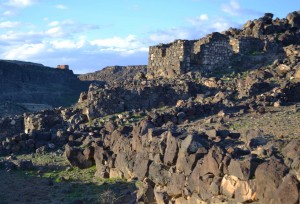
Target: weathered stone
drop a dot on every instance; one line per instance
(200, 183)
(283, 69)
(191, 144)
(254, 138)
(101, 159)
(125, 162)
(161, 196)
(292, 150)
(212, 133)
(294, 19)
(287, 192)
(113, 173)
(146, 192)
(185, 162)
(110, 126)
(89, 153)
(176, 185)
(158, 174)
(212, 162)
(229, 185)
(141, 165)
(139, 130)
(170, 156)
(215, 186)
(243, 169)
(76, 157)
(194, 199)
(244, 191)
(268, 177)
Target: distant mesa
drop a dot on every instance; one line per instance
(64, 66)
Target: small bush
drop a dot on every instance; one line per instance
(108, 197)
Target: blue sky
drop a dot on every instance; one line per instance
(89, 35)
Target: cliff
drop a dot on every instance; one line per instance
(114, 73)
(24, 82)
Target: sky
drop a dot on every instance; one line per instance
(89, 35)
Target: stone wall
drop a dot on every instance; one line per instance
(211, 52)
(66, 67)
(246, 45)
(170, 59)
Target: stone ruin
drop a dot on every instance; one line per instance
(64, 67)
(213, 51)
(262, 37)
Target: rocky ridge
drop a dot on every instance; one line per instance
(197, 138)
(25, 85)
(113, 74)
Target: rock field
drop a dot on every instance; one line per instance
(218, 136)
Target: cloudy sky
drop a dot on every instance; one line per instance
(89, 35)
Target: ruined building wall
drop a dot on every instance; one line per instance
(213, 51)
(246, 45)
(64, 66)
(169, 59)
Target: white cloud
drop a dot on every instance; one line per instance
(126, 46)
(233, 8)
(19, 37)
(169, 35)
(61, 6)
(20, 3)
(195, 28)
(53, 23)
(198, 20)
(8, 13)
(68, 44)
(23, 52)
(203, 17)
(55, 32)
(220, 25)
(9, 24)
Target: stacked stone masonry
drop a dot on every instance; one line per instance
(64, 66)
(213, 51)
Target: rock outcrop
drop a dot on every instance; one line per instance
(195, 138)
(29, 84)
(115, 74)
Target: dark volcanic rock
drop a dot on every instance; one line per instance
(159, 174)
(141, 166)
(114, 73)
(288, 191)
(171, 150)
(268, 177)
(243, 169)
(77, 158)
(23, 82)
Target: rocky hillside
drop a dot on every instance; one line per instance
(114, 73)
(225, 136)
(30, 83)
